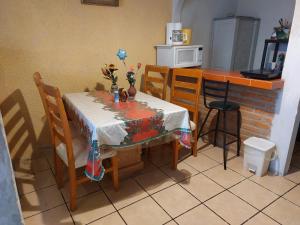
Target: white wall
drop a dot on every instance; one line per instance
(269, 11)
(286, 120)
(176, 10)
(198, 15)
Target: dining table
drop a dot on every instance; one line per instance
(115, 125)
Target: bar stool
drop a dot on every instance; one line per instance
(219, 90)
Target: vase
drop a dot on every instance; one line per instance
(113, 88)
(131, 91)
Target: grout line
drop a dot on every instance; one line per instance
(179, 183)
(112, 204)
(66, 204)
(216, 213)
(35, 190)
(154, 199)
(41, 212)
(268, 188)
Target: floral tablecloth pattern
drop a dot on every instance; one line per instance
(109, 124)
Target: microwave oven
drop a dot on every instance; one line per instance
(178, 56)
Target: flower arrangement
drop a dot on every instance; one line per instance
(109, 73)
(130, 74)
(283, 30)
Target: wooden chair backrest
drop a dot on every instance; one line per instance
(186, 89)
(38, 82)
(58, 120)
(150, 80)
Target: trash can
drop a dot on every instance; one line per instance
(257, 155)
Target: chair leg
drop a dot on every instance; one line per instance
(115, 172)
(175, 154)
(195, 144)
(202, 126)
(238, 132)
(58, 170)
(73, 189)
(216, 128)
(224, 139)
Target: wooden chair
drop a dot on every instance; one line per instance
(148, 86)
(69, 149)
(185, 92)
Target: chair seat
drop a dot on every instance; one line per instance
(80, 150)
(229, 106)
(193, 125)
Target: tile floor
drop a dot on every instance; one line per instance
(199, 192)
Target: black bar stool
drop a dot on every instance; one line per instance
(219, 90)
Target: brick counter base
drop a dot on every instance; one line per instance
(257, 111)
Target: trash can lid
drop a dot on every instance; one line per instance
(259, 143)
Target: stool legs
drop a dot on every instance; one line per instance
(202, 126)
(238, 132)
(224, 140)
(216, 128)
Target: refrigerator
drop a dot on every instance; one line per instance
(234, 42)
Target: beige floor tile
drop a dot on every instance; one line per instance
(154, 181)
(82, 189)
(261, 219)
(112, 219)
(277, 184)
(293, 195)
(201, 187)
(183, 171)
(175, 200)
(145, 212)
(216, 153)
(41, 200)
(231, 208)
(171, 223)
(58, 215)
(293, 175)
(201, 162)
(92, 207)
(236, 164)
(31, 166)
(284, 212)
(254, 194)
(225, 178)
(200, 215)
(128, 193)
(27, 182)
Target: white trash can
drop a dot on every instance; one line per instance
(257, 155)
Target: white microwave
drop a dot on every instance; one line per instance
(175, 56)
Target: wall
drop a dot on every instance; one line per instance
(199, 15)
(269, 11)
(286, 120)
(176, 10)
(68, 43)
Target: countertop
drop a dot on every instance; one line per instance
(237, 78)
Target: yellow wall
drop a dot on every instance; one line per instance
(68, 43)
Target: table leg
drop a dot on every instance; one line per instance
(175, 144)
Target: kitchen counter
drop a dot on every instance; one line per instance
(237, 78)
